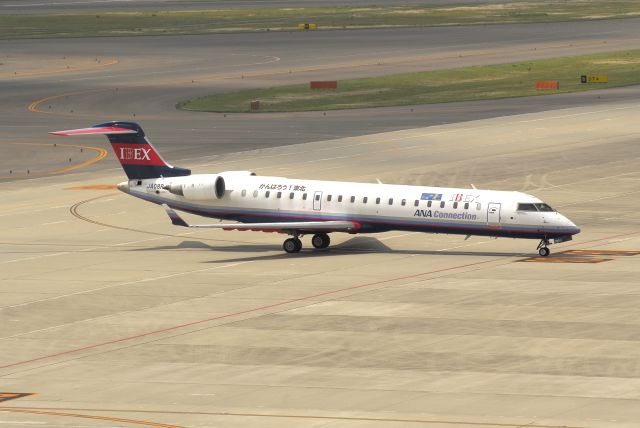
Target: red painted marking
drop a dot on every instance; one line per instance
(86, 131)
(137, 154)
(547, 84)
(323, 84)
(245, 311)
(102, 418)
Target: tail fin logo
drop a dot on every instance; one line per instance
(140, 154)
(129, 153)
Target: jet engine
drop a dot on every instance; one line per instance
(207, 186)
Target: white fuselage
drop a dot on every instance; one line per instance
(374, 207)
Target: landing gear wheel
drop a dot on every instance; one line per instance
(542, 247)
(320, 240)
(292, 245)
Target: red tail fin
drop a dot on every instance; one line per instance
(138, 157)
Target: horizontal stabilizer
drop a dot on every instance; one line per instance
(300, 226)
(176, 220)
(111, 130)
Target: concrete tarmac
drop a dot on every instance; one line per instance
(112, 315)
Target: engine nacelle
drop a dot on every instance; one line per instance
(208, 186)
(212, 187)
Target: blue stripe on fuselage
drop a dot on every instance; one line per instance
(368, 225)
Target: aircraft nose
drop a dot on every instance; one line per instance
(124, 187)
(573, 228)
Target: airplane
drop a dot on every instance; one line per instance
(299, 207)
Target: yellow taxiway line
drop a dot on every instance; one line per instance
(102, 153)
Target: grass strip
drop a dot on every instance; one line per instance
(19, 26)
(429, 87)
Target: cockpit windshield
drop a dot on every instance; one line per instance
(527, 207)
(535, 207)
(544, 208)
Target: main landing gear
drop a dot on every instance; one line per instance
(294, 245)
(543, 248)
(320, 240)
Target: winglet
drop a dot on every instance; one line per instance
(175, 218)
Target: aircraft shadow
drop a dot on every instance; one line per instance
(356, 245)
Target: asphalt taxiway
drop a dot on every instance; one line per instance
(111, 316)
(67, 83)
(71, 6)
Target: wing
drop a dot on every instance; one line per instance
(302, 226)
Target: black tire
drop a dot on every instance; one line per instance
(292, 245)
(544, 252)
(320, 240)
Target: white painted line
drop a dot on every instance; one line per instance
(138, 281)
(34, 211)
(395, 236)
(464, 245)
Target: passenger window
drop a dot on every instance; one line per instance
(266, 194)
(255, 193)
(279, 195)
(377, 200)
(466, 205)
(404, 202)
(340, 198)
(291, 195)
(478, 206)
(304, 196)
(318, 197)
(415, 204)
(442, 204)
(244, 192)
(455, 205)
(328, 198)
(390, 201)
(353, 199)
(429, 204)
(364, 200)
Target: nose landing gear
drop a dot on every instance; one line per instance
(543, 248)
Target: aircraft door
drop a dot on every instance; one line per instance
(317, 201)
(493, 214)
